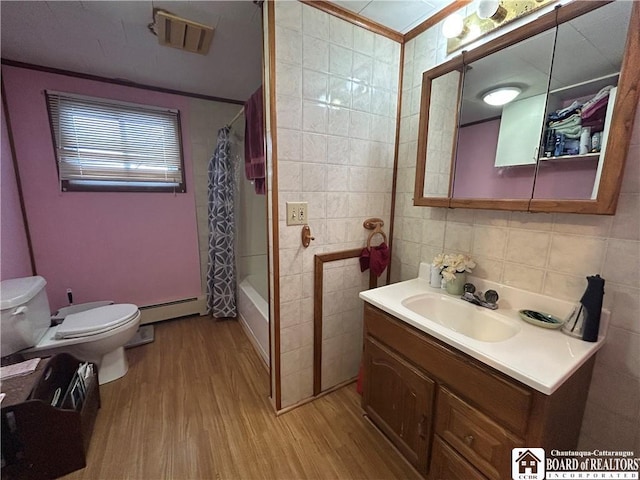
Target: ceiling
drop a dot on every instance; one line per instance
(111, 39)
(399, 15)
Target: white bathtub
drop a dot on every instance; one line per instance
(253, 310)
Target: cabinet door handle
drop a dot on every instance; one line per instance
(421, 433)
(468, 440)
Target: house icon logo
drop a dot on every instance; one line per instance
(527, 463)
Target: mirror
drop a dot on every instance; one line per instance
(440, 143)
(528, 154)
(498, 144)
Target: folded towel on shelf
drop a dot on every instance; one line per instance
(603, 93)
(565, 112)
(594, 117)
(570, 127)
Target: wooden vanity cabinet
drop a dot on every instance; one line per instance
(399, 399)
(453, 416)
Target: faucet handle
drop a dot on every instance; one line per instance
(469, 288)
(491, 296)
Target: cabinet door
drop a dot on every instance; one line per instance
(448, 465)
(399, 400)
(520, 129)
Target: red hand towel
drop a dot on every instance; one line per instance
(364, 259)
(379, 260)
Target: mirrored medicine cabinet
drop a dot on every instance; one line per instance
(560, 145)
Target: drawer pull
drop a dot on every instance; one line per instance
(421, 433)
(468, 440)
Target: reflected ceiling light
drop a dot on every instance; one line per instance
(491, 9)
(502, 95)
(453, 26)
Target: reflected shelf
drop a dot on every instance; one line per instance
(584, 156)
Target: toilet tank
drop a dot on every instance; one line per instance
(25, 314)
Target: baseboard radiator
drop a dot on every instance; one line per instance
(176, 309)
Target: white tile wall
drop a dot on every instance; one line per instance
(547, 253)
(336, 104)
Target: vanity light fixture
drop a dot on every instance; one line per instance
(491, 9)
(501, 96)
(487, 17)
(453, 26)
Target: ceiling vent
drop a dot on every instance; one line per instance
(180, 33)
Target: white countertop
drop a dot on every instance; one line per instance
(539, 357)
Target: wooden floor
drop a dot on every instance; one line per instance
(194, 405)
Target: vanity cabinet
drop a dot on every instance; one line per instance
(402, 402)
(460, 418)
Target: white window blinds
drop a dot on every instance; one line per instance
(107, 145)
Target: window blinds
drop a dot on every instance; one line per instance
(98, 142)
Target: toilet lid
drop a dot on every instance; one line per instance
(96, 320)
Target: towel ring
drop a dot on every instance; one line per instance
(376, 225)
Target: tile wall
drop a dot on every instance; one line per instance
(336, 103)
(342, 328)
(546, 253)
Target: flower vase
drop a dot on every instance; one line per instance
(456, 286)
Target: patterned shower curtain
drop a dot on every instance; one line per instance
(221, 274)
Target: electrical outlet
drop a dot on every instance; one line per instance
(296, 213)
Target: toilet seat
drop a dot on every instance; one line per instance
(95, 321)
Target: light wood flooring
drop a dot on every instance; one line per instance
(194, 405)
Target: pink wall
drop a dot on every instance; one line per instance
(127, 247)
(477, 177)
(14, 252)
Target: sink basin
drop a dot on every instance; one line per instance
(469, 320)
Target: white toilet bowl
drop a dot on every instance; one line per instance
(97, 335)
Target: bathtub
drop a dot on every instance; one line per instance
(253, 312)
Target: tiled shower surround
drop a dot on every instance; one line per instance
(336, 106)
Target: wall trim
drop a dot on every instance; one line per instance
(115, 81)
(16, 172)
(318, 290)
(438, 17)
(275, 358)
(355, 19)
(396, 150)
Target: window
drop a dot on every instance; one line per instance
(112, 146)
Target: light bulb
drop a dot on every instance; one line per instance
(453, 26)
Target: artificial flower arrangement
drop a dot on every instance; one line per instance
(450, 264)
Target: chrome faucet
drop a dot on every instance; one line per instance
(488, 300)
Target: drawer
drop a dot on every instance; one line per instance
(495, 394)
(446, 464)
(475, 436)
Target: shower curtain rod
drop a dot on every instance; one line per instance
(236, 117)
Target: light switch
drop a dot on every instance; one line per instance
(296, 213)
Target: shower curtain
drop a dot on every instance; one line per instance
(221, 274)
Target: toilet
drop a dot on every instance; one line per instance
(93, 334)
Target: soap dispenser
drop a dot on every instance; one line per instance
(584, 321)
